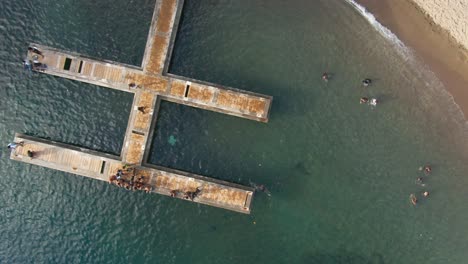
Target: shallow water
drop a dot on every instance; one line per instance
(339, 173)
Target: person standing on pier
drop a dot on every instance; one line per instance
(31, 154)
(325, 76)
(133, 86)
(112, 178)
(35, 50)
(142, 109)
(13, 145)
(27, 64)
(119, 174)
(366, 82)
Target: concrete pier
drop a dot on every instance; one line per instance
(132, 79)
(149, 83)
(100, 166)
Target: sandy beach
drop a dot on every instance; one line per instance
(443, 51)
(449, 15)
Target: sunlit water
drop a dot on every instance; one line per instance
(339, 173)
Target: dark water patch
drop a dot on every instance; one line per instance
(194, 140)
(74, 113)
(113, 30)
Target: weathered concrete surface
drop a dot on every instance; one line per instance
(120, 76)
(98, 166)
(149, 84)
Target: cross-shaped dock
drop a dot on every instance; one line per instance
(150, 84)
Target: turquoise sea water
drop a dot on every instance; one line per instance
(339, 173)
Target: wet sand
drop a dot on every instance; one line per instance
(447, 59)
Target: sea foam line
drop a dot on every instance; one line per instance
(408, 55)
(403, 49)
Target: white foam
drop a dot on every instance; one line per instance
(433, 81)
(404, 50)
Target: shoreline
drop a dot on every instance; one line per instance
(447, 58)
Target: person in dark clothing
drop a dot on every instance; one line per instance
(35, 50)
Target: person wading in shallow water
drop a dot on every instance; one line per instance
(374, 102)
(35, 50)
(366, 82)
(426, 169)
(413, 199)
(420, 181)
(325, 77)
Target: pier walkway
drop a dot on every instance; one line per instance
(132, 79)
(101, 166)
(149, 83)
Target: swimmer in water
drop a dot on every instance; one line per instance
(427, 169)
(325, 77)
(426, 194)
(374, 102)
(363, 100)
(420, 181)
(366, 82)
(413, 199)
(260, 188)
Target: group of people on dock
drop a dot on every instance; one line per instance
(426, 169)
(366, 82)
(126, 178)
(34, 63)
(136, 183)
